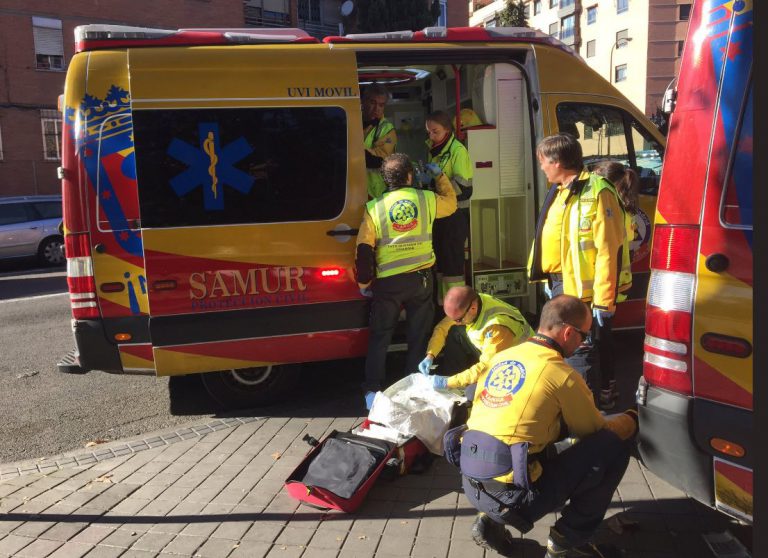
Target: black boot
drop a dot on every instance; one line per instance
(491, 535)
(559, 547)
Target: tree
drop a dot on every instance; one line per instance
(513, 14)
(375, 16)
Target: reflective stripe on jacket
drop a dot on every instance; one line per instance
(496, 312)
(381, 140)
(454, 161)
(581, 259)
(403, 222)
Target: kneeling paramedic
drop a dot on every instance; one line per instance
(509, 473)
(394, 263)
(489, 325)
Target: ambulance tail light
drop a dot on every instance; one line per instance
(82, 285)
(669, 310)
(327, 273)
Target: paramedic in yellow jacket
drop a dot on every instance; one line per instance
(450, 232)
(490, 326)
(394, 260)
(525, 395)
(581, 248)
(379, 136)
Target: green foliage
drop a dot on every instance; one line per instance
(375, 16)
(513, 14)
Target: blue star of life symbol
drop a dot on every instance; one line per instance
(210, 166)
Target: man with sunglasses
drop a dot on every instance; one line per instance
(489, 326)
(509, 472)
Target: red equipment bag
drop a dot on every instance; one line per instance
(339, 471)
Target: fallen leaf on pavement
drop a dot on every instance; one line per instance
(104, 478)
(362, 537)
(96, 442)
(620, 525)
(277, 455)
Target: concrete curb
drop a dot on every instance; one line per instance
(119, 448)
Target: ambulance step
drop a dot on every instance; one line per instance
(70, 363)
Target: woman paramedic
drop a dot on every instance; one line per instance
(450, 233)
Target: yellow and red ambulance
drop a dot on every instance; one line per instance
(213, 182)
(695, 397)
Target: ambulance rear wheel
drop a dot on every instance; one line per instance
(249, 387)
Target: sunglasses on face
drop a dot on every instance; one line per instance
(464, 315)
(583, 334)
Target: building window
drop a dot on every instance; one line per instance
(620, 74)
(256, 16)
(536, 7)
(622, 6)
(49, 43)
(566, 3)
(684, 11)
(309, 10)
(553, 29)
(491, 23)
(553, 3)
(680, 47)
(591, 15)
(567, 27)
(49, 120)
(590, 48)
(621, 38)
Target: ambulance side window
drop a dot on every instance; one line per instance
(610, 134)
(736, 205)
(199, 167)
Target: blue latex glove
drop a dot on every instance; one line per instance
(369, 399)
(366, 292)
(425, 364)
(423, 178)
(547, 290)
(434, 169)
(440, 382)
(601, 315)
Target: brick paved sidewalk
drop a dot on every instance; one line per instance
(215, 490)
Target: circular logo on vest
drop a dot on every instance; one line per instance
(585, 224)
(404, 216)
(503, 381)
(639, 245)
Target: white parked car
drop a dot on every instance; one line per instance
(29, 226)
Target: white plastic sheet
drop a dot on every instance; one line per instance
(412, 407)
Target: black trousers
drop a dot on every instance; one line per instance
(448, 237)
(595, 358)
(583, 478)
(414, 292)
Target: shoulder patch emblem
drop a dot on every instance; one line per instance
(608, 212)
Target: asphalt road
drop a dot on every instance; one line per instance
(45, 412)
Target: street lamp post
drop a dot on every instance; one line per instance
(611, 77)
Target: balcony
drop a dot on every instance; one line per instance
(319, 30)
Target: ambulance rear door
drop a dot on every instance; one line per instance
(251, 188)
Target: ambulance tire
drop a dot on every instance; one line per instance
(250, 387)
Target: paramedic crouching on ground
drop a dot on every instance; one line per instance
(395, 257)
(489, 326)
(521, 401)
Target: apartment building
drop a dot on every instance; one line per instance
(635, 44)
